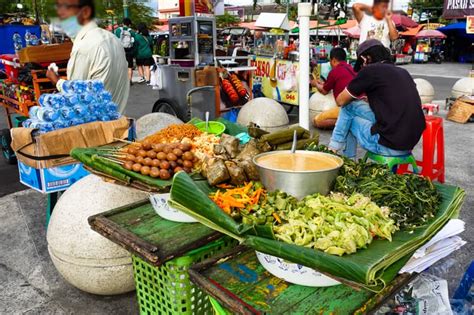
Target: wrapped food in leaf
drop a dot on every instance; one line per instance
(230, 144)
(237, 174)
(219, 149)
(249, 151)
(250, 169)
(216, 171)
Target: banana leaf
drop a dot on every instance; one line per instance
(380, 262)
(369, 268)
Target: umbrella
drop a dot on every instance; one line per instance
(403, 21)
(430, 34)
(353, 32)
(456, 29)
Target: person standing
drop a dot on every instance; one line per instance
(126, 36)
(96, 53)
(144, 53)
(392, 123)
(375, 22)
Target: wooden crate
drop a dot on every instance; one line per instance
(138, 229)
(41, 84)
(242, 286)
(45, 53)
(461, 110)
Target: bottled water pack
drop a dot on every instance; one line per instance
(79, 102)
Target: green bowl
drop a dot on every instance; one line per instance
(215, 127)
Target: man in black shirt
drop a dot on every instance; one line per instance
(393, 121)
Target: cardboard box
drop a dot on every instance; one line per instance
(52, 149)
(45, 53)
(48, 180)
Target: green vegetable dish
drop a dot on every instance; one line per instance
(335, 224)
(412, 199)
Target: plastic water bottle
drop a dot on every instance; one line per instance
(47, 114)
(27, 38)
(67, 87)
(105, 96)
(80, 110)
(72, 100)
(86, 98)
(34, 41)
(46, 127)
(59, 124)
(111, 107)
(44, 99)
(44, 37)
(27, 123)
(67, 113)
(95, 86)
(17, 44)
(33, 112)
(114, 116)
(79, 86)
(77, 121)
(57, 101)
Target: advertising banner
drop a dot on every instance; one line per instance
(276, 79)
(458, 9)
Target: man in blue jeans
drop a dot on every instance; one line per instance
(392, 121)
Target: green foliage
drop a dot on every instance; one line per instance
(226, 20)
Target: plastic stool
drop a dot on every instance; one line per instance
(433, 146)
(394, 163)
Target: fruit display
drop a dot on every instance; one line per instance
(158, 160)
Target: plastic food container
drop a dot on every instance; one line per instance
(294, 273)
(215, 127)
(164, 210)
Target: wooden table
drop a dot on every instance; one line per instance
(242, 286)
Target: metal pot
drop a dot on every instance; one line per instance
(298, 183)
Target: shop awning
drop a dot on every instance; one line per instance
(251, 26)
(412, 31)
(403, 21)
(456, 29)
(430, 34)
(353, 32)
(273, 20)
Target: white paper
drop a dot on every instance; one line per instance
(453, 227)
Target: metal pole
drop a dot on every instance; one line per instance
(304, 12)
(125, 9)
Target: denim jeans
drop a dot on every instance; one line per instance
(353, 126)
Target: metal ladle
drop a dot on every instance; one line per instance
(295, 139)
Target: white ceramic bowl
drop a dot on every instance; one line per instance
(164, 210)
(294, 273)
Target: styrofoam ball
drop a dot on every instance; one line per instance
(151, 123)
(86, 259)
(425, 90)
(267, 113)
(464, 86)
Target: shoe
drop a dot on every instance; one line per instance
(141, 80)
(131, 83)
(148, 83)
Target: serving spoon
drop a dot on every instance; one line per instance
(295, 139)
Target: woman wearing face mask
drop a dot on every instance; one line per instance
(96, 53)
(392, 122)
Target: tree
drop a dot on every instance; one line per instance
(226, 20)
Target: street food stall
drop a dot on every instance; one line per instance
(192, 71)
(429, 46)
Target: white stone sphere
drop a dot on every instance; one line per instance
(319, 103)
(151, 123)
(86, 259)
(425, 90)
(267, 113)
(464, 86)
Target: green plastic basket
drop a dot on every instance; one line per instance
(167, 289)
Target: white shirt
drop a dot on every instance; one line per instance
(98, 55)
(371, 28)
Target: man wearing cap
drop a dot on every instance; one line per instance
(392, 122)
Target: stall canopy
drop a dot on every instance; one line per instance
(430, 34)
(403, 21)
(353, 32)
(412, 31)
(456, 29)
(273, 20)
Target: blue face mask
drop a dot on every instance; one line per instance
(71, 26)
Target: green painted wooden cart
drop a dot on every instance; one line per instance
(240, 285)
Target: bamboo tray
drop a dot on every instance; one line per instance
(242, 286)
(138, 229)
